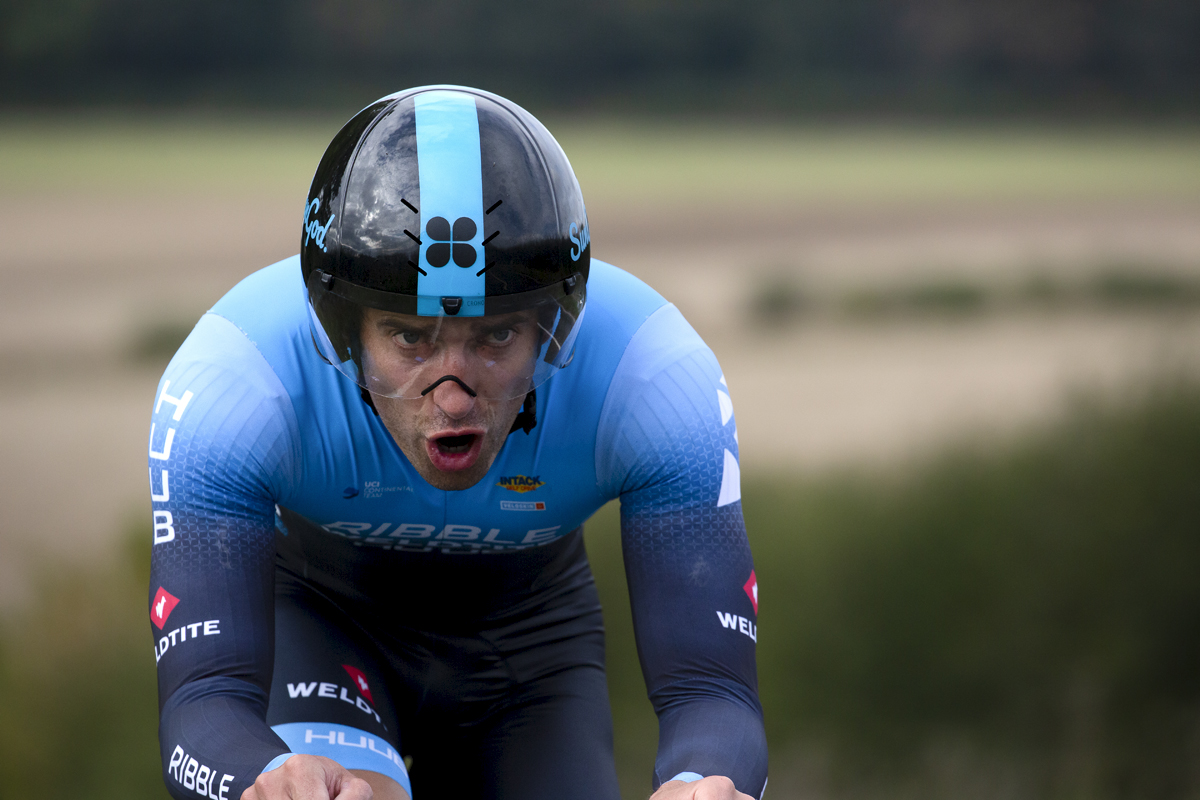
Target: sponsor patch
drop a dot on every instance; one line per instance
(185, 632)
(360, 680)
(196, 777)
(751, 588)
(332, 691)
(161, 607)
(425, 537)
(736, 622)
(521, 483)
(522, 505)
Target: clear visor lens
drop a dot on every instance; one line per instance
(499, 356)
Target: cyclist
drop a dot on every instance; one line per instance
(369, 469)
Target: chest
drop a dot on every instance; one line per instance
(360, 487)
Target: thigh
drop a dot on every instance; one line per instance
(555, 742)
(552, 739)
(328, 690)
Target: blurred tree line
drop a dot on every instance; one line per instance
(780, 56)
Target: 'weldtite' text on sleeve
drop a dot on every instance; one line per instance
(667, 443)
(220, 443)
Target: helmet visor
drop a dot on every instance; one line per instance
(379, 342)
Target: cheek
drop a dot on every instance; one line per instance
(400, 417)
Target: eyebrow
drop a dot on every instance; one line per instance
(405, 321)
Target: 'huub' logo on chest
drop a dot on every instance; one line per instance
(520, 483)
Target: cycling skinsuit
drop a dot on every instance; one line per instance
(311, 593)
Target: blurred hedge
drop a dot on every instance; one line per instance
(994, 624)
(79, 705)
(1015, 622)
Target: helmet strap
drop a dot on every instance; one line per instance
(527, 418)
(366, 396)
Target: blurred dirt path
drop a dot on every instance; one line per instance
(87, 274)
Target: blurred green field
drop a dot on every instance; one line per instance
(1016, 623)
(680, 161)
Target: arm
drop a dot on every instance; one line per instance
(696, 628)
(668, 437)
(219, 446)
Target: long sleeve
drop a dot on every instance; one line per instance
(668, 446)
(220, 450)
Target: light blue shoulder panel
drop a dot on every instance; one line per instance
(220, 402)
(668, 412)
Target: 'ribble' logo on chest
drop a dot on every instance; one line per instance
(447, 242)
(520, 483)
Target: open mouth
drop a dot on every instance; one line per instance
(454, 452)
(455, 444)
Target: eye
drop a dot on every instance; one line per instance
(502, 336)
(408, 337)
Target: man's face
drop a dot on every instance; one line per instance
(450, 437)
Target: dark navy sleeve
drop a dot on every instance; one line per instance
(221, 448)
(667, 444)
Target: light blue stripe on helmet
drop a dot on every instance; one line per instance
(451, 175)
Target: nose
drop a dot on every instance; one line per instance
(454, 402)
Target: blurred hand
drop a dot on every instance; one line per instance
(304, 777)
(715, 787)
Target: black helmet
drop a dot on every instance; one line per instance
(452, 218)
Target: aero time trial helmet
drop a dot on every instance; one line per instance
(447, 224)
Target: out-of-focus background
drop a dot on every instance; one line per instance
(947, 252)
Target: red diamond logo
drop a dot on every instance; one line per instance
(360, 680)
(751, 588)
(161, 607)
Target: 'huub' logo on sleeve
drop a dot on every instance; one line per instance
(313, 229)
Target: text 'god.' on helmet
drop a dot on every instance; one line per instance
(445, 233)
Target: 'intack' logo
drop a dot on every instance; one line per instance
(521, 483)
(447, 242)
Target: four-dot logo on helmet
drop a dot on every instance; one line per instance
(451, 242)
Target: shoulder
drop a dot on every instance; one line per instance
(218, 361)
(618, 308)
(241, 338)
(621, 300)
(268, 306)
(618, 305)
(650, 335)
(666, 404)
(220, 392)
(642, 329)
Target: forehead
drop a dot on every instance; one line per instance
(379, 318)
